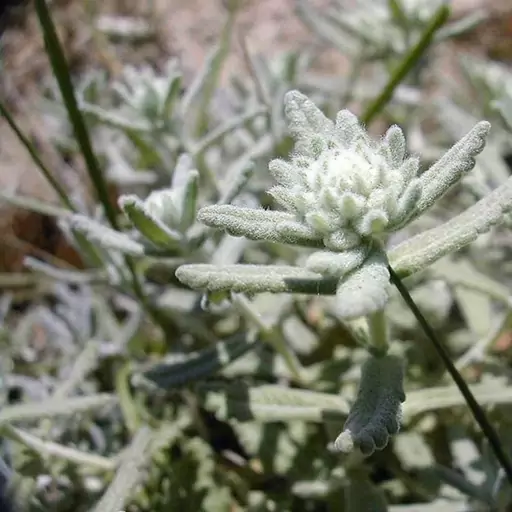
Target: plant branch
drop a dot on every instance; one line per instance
(59, 190)
(408, 62)
(62, 75)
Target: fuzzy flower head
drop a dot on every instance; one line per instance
(343, 191)
(346, 186)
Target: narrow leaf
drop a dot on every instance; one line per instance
(255, 279)
(189, 206)
(270, 403)
(199, 365)
(255, 224)
(106, 237)
(452, 166)
(151, 227)
(365, 290)
(114, 120)
(54, 407)
(172, 95)
(129, 475)
(425, 248)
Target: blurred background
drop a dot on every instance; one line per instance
(108, 35)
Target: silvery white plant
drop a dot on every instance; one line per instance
(162, 221)
(342, 193)
(147, 92)
(145, 100)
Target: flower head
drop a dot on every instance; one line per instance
(340, 182)
(342, 191)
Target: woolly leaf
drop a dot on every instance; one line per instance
(189, 200)
(147, 224)
(452, 166)
(255, 279)
(366, 289)
(376, 413)
(108, 238)
(448, 397)
(51, 408)
(425, 248)
(348, 128)
(270, 403)
(396, 144)
(283, 172)
(198, 365)
(130, 473)
(333, 264)
(257, 224)
(306, 123)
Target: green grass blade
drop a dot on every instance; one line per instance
(63, 196)
(410, 59)
(62, 74)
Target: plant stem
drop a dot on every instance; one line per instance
(59, 190)
(477, 411)
(406, 65)
(378, 330)
(62, 75)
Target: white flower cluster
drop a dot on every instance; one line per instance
(344, 185)
(342, 191)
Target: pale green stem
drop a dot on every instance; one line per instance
(358, 328)
(379, 333)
